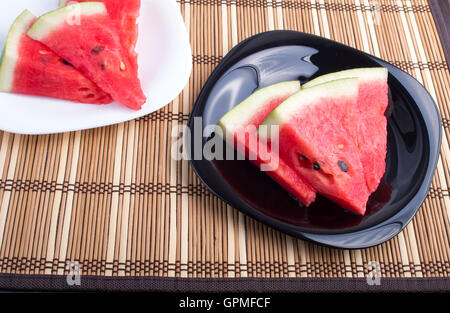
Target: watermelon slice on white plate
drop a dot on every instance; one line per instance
(163, 72)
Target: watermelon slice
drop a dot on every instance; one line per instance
(28, 67)
(240, 124)
(370, 122)
(314, 142)
(124, 13)
(89, 41)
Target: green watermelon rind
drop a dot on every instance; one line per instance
(47, 23)
(63, 3)
(243, 112)
(11, 51)
(368, 73)
(347, 87)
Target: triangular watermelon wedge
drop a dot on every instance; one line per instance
(28, 67)
(85, 36)
(240, 124)
(369, 128)
(314, 142)
(124, 13)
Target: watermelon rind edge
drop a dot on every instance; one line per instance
(367, 73)
(48, 22)
(62, 3)
(242, 113)
(347, 87)
(10, 53)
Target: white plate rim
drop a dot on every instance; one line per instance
(11, 114)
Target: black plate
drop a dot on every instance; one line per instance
(414, 139)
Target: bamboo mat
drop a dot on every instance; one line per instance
(113, 200)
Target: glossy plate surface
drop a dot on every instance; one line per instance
(414, 139)
(165, 64)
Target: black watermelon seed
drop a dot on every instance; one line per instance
(97, 49)
(66, 63)
(303, 157)
(343, 166)
(103, 66)
(316, 166)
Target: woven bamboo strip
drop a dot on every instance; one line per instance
(10, 175)
(241, 242)
(55, 153)
(228, 219)
(250, 251)
(151, 215)
(148, 233)
(275, 255)
(172, 249)
(90, 208)
(219, 226)
(115, 197)
(141, 215)
(265, 244)
(139, 245)
(105, 176)
(50, 255)
(91, 215)
(25, 199)
(123, 239)
(165, 197)
(315, 18)
(136, 202)
(88, 233)
(40, 229)
(349, 19)
(62, 236)
(208, 203)
(164, 239)
(325, 26)
(195, 206)
(133, 218)
(185, 201)
(79, 207)
(4, 159)
(74, 240)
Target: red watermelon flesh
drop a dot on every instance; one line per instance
(373, 126)
(92, 45)
(369, 127)
(315, 143)
(124, 13)
(240, 125)
(29, 67)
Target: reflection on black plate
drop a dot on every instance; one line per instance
(414, 138)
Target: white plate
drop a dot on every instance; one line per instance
(165, 64)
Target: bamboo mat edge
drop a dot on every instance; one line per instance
(441, 14)
(223, 285)
(264, 251)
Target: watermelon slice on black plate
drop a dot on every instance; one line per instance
(413, 142)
